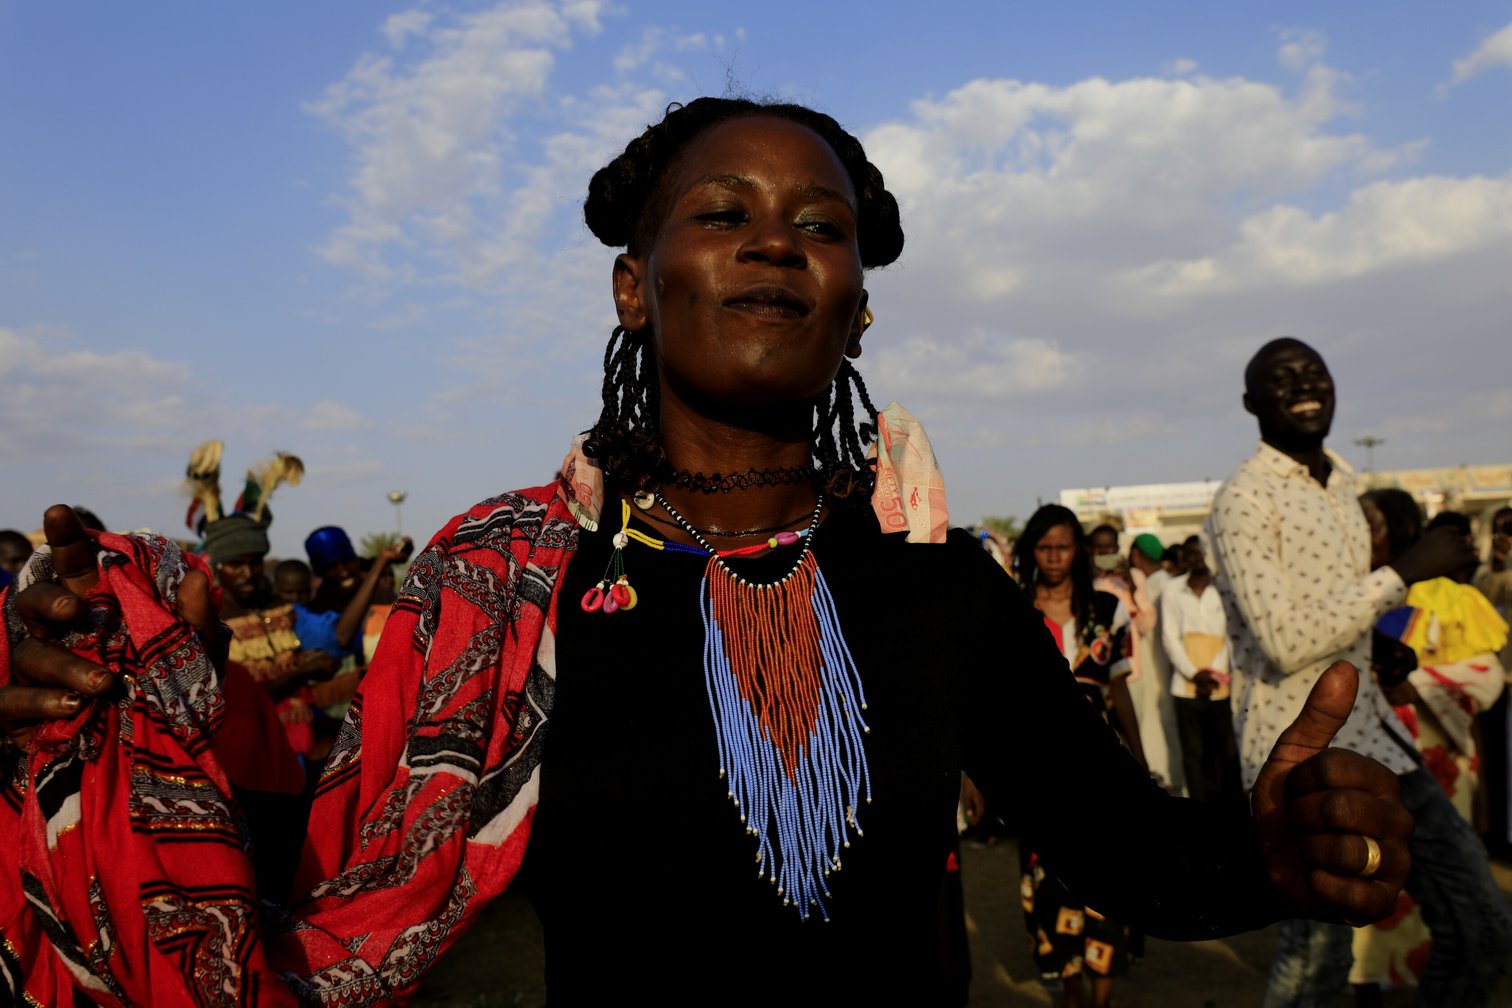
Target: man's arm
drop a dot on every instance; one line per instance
(1496, 585)
(1296, 628)
(1172, 634)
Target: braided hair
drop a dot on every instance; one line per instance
(627, 200)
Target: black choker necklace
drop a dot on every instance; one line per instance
(748, 480)
(712, 533)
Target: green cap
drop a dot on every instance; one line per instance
(1150, 546)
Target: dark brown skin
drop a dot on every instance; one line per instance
(1313, 806)
(753, 287)
(48, 681)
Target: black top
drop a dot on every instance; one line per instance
(641, 871)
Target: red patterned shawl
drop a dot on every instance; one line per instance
(131, 883)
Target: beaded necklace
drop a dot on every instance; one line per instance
(786, 699)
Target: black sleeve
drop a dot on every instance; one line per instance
(1181, 869)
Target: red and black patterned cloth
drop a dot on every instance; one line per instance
(131, 882)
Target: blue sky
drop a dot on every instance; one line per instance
(350, 230)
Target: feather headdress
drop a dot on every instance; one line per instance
(202, 482)
(262, 481)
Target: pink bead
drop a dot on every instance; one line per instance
(785, 538)
(611, 605)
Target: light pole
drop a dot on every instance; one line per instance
(1369, 442)
(396, 498)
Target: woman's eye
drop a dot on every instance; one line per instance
(725, 217)
(824, 228)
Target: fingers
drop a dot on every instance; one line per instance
(1323, 714)
(19, 704)
(1350, 812)
(1347, 855)
(195, 606)
(47, 607)
(73, 551)
(1340, 769)
(1357, 901)
(37, 662)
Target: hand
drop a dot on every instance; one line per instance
(1205, 683)
(1314, 807)
(398, 552)
(295, 711)
(47, 681)
(317, 664)
(1441, 552)
(973, 805)
(1400, 694)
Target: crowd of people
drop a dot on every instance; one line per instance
(1201, 652)
(709, 696)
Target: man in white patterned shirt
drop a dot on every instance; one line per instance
(1291, 560)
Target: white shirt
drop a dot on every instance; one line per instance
(1183, 611)
(1291, 561)
(1156, 583)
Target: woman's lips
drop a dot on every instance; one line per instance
(768, 302)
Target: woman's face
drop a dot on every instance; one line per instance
(753, 281)
(1054, 554)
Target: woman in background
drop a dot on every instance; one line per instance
(1071, 942)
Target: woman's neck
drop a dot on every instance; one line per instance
(698, 444)
(1055, 592)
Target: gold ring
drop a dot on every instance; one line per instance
(1372, 857)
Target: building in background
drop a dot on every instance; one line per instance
(1173, 511)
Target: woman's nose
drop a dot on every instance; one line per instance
(772, 241)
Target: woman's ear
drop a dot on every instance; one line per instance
(629, 292)
(862, 321)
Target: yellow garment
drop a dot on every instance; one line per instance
(1453, 622)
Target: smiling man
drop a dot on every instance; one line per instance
(1290, 552)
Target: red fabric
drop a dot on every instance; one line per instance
(405, 846)
(130, 850)
(423, 814)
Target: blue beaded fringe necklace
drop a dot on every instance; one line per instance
(788, 709)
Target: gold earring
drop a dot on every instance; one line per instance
(867, 318)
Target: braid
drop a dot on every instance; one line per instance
(626, 440)
(844, 470)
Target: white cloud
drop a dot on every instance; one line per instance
(399, 27)
(981, 366)
(635, 54)
(60, 399)
(1113, 251)
(1383, 225)
(327, 415)
(1495, 51)
(430, 134)
(1088, 265)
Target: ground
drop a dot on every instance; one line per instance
(1213, 974)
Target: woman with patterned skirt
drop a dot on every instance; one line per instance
(1072, 942)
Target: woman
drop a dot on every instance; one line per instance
(1454, 634)
(1071, 940)
(689, 694)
